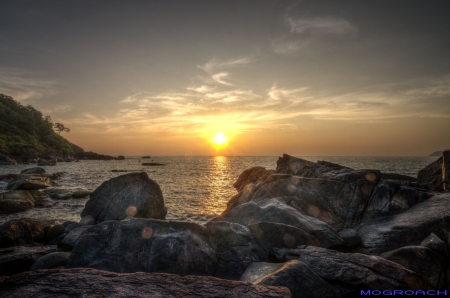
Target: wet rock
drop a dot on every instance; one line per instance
(295, 275)
(236, 248)
(34, 170)
(64, 196)
(30, 183)
(145, 245)
(55, 231)
(51, 260)
(348, 273)
(40, 199)
(88, 220)
(408, 228)
(5, 160)
(21, 232)
(81, 193)
(20, 258)
(131, 194)
(421, 260)
(435, 243)
(277, 212)
(66, 193)
(13, 202)
(85, 282)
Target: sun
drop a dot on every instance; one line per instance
(220, 139)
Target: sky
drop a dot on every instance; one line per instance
(307, 78)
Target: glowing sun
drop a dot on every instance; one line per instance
(219, 139)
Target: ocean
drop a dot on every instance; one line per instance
(194, 188)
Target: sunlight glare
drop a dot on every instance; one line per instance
(220, 139)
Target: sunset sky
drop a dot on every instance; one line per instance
(314, 78)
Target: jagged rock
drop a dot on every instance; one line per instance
(5, 160)
(21, 232)
(408, 228)
(300, 167)
(131, 194)
(235, 246)
(88, 220)
(278, 212)
(348, 273)
(34, 170)
(51, 260)
(437, 173)
(295, 275)
(421, 260)
(18, 259)
(145, 245)
(30, 183)
(435, 243)
(84, 282)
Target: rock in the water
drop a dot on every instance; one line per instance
(348, 273)
(81, 193)
(272, 210)
(235, 246)
(43, 162)
(18, 259)
(40, 199)
(14, 202)
(421, 260)
(145, 245)
(5, 160)
(85, 282)
(131, 194)
(34, 170)
(30, 183)
(295, 275)
(408, 228)
(435, 243)
(51, 260)
(21, 232)
(437, 173)
(66, 193)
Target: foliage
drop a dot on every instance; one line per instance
(60, 127)
(24, 125)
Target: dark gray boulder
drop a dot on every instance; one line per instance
(21, 232)
(33, 170)
(350, 237)
(30, 183)
(421, 260)
(145, 245)
(235, 246)
(73, 236)
(51, 260)
(88, 220)
(83, 282)
(408, 228)
(18, 259)
(278, 212)
(435, 243)
(295, 275)
(347, 272)
(437, 173)
(131, 194)
(300, 167)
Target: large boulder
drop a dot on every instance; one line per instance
(21, 232)
(437, 173)
(133, 194)
(85, 282)
(145, 245)
(275, 211)
(348, 273)
(30, 183)
(5, 160)
(33, 170)
(408, 228)
(295, 275)
(18, 259)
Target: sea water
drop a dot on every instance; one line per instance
(194, 188)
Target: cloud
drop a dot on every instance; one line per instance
(320, 26)
(212, 65)
(218, 77)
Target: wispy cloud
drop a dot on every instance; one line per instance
(219, 78)
(321, 26)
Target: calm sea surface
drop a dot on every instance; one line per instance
(194, 188)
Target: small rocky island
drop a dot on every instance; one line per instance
(303, 230)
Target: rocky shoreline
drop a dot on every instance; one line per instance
(303, 230)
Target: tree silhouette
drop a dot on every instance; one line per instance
(60, 128)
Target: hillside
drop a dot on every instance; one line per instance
(25, 131)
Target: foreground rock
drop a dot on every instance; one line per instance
(145, 245)
(20, 259)
(22, 200)
(51, 260)
(348, 273)
(21, 232)
(30, 183)
(133, 194)
(437, 173)
(97, 283)
(295, 275)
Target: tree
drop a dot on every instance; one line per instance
(60, 128)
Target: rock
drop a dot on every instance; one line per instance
(57, 240)
(72, 226)
(30, 183)
(34, 170)
(392, 176)
(43, 162)
(277, 212)
(421, 260)
(81, 193)
(350, 237)
(92, 156)
(21, 232)
(348, 273)
(408, 228)
(68, 222)
(20, 258)
(66, 193)
(31, 160)
(64, 196)
(120, 157)
(235, 246)
(295, 275)
(145, 245)
(437, 173)
(146, 156)
(435, 243)
(72, 237)
(333, 166)
(51, 260)
(15, 201)
(40, 199)
(83, 282)
(131, 194)
(88, 220)
(59, 159)
(5, 160)
(152, 164)
(55, 231)
(300, 167)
